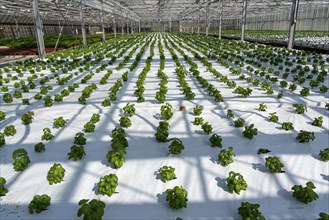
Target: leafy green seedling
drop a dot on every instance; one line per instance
(93, 210)
(300, 108)
(76, 153)
(21, 159)
(46, 134)
(229, 113)
(176, 146)
(9, 130)
(167, 173)
(116, 156)
(305, 136)
(273, 117)
(198, 120)
(274, 164)
(262, 107)
(225, 156)
(215, 140)
(162, 132)
(197, 110)
(125, 122)
(318, 121)
(166, 111)
(287, 126)
(239, 123)
(59, 122)
(236, 183)
(207, 128)
(249, 211)
(55, 174)
(129, 109)
(305, 194)
(39, 147)
(177, 197)
(3, 190)
(250, 131)
(107, 184)
(27, 119)
(80, 139)
(2, 116)
(39, 203)
(324, 154)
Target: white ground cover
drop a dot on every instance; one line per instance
(140, 192)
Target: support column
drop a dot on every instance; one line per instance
(127, 26)
(122, 29)
(207, 19)
(244, 18)
(180, 26)
(170, 25)
(114, 28)
(220, 19)
(139, 26)
(199, 18)
(40, 40)
(17, 35)
(102, 21)
(293, 22)
(83, 28)
(192, 24)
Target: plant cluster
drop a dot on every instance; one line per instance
(76, 153)
(21, 159)
(39, 203)
(129, 110)
(305, 194)
(39, 147)
(166, 111)
(107, 184)
(59, 122)
(239, 123)
(215, 140)
(305, 136)
(119, 142)
(250, 131)
(47, 135)
(3, 190)
(197, 110)
(250, 211)
(162, 131)
(55, 174)
(324, 154)
(93, 210)
(287, 126)
(167, 173)
(91, 124)
(236, 183)
(273, 117)
(225, 156)
(274, 164)
(9, 130)
(177, 197)
(176, 146)
(318, 121)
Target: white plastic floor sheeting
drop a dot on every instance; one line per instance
(140, 191)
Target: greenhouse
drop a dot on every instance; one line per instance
(164, 109)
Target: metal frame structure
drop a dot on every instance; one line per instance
(137, 15)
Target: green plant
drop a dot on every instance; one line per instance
(89, 127)
(273, 117)
(327, 106)
(324, 154)
(46, 134)
(39, 147)
(80, 139)
(55, 174)
(76, 153)
(2, 139)
(197, 110)
(225, 156)
(229, 113)
(39, 203)
(2, 116)
(177, 197)
(207, 128)
(262, 107)
(176, 146)
(166, 111)
(10, 130)
(106, 102)
(198, 120)
(274, 164)
(236, 183)
(215, 140)
(323, 216)
(3, 190)
(250, 131)
(107, 184)
(18, 94)
(239, 123)
(93, 210)
(287, 126)
(305, 194)
(116, 156)
(318, 121)
(48, 101)
(125, 122)
(21, 159)
(7, 98)
(249, 211)
(162, 131)
(59, 122)
(305, 92)
(300, 108)
(167, 173)
(305, 136)
(263, 151)
(129, 109)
